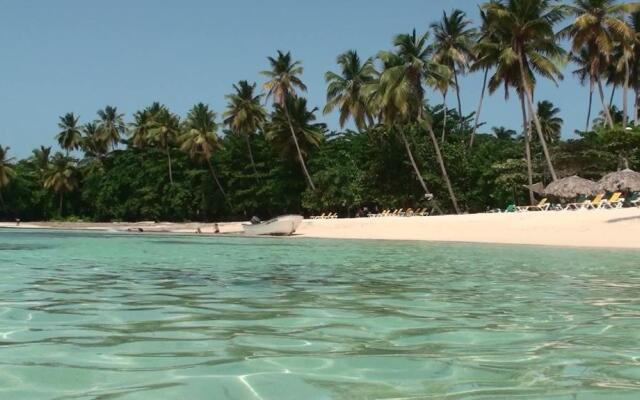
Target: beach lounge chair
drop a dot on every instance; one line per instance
(383, 213)
(542, 206)
(409, 212)
(635, 199)
(321, 216)
(587, 204)
(616, 201)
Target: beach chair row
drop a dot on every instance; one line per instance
(598, 202)
(401, 212)
(325, 216)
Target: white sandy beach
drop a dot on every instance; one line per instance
(596, 228)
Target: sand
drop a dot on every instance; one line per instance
(619, 228)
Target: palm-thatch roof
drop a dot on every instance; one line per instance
(570, 187)
(625, 180)
(535, 188)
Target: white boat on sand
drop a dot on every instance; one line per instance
(281, 226)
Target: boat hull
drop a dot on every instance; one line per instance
(282, 226)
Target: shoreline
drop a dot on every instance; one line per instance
(613, 229)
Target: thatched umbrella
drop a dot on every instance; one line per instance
(570, 187)
(621, 181)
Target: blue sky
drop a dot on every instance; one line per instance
(78, 55)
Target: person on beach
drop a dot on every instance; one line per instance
(216, 229)
(17, 221)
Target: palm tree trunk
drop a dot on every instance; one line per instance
(253, 163)
(455, 77)
(613, 93)
(60, 205)
(590, 104)
(536, 120)
(169, 162)
(4, 207)
(413, 163)
(605, 109)
(443, 169)
(636, 116)
(625, 89)
(216, 180)
(444, 115)
(295, 141)
(475, 123)
(527, 148)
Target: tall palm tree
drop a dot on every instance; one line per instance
(245, 115)
(199, 138)
(111, 125)
(346, 90)
(634, 67)
(309, 134)
(6, 171)
(597, 26)
(69, 137)
(283, 80)
(495, 53)
(549, 120)
(61, 177)
(40, 158)
(163, 130)
(634, 22)
(140, 127)
(454, 38)
(583, 62)
(442, 83)
(401, 95)
(92, 144)
(527, 25)
(486, 57)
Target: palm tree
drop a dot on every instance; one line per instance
(140, 127)
(92, 144)
(583, 61)
(111, 126)
(69, 137)
(245, 115)
(597, 26)
(346, 90)
(486, 58)
(495, 52)
(163, 130)
(442, 83)
(453, 43)
(61, 177)
(549, 120)
(283, 79)
(401, 94)
(6, 171)
(309, 134)
(40, 158)
(634, 22)
(527, 25)
(502, 133)
(200, 139)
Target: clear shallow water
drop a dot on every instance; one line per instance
(98, 316)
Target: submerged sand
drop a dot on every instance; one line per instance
(619, 228)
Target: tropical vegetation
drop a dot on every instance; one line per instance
(270, 152)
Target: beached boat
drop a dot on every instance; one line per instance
(281, 226)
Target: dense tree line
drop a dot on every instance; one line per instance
(402, 152)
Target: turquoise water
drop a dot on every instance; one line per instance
(100, 316)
